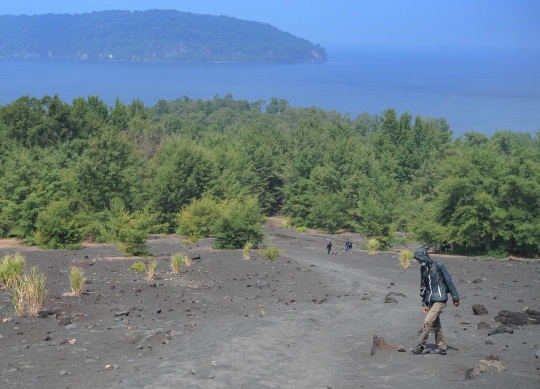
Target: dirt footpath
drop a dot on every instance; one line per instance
(306, 320)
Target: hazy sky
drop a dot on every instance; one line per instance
(441, 23)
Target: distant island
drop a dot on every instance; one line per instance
(155, 35)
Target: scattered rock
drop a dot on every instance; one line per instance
(470, 374)
(518, 318)
(64, 322)
(489, 342)
(477, 281)
(537, 355)
(380, 343)
(122, 313)
(71, 326)
(501, 330)
(391, 297)
(483, 326)
(484, 365)
(192, 371)
(44, 314)
(479, 309)
(264, 285)
(465, 322)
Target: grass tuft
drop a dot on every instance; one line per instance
(405, 258)
(301, 229)
(34, 291)
(151, 271)
(18, 296)
(177, 260)
(247, 249)
(187, 261)
(76, 280)
(11, 269)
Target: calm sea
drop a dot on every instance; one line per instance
(474, 90)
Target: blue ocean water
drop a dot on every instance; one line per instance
(474, 90)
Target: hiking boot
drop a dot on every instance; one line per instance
(417, 350)
(439, 351)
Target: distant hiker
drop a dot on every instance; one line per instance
(347, 245)
(329, 247)
(435, 284)
(350, 246)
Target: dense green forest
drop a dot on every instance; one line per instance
(155, 35)
(86, 170)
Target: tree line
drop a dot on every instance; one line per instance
(87, 170)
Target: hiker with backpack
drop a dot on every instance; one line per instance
(435, 284)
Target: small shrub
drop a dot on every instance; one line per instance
(76, 280)
(405, 257)
(151, 271)
(273, 251)
(363, 246)
(34, 291)
(11, 269)
(301, 229)
(247, 249)
(373, 245)
(138, 267)
(56, 227)
(177, 260)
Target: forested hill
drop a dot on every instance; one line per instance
(155, 35)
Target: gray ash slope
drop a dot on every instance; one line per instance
(306, 320)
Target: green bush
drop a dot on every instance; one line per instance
(138, 267)
(301, 229)
(56, 227)
(239, 222)
(198, 218)
(273, 251)
(131, 230)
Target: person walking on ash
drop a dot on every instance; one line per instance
(329, 247)
(435, 284)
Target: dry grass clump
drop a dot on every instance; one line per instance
(177, 260)
(11, 269)
(373, 245)
(405, 258)
(187, 261)
(151, 269)
(28, 292)
(247, 249)
(76, 280)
